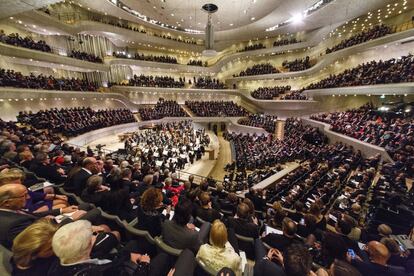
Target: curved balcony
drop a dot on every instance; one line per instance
(44, 59)
(330, 58)
(14, 100)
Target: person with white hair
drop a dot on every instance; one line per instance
(73, 244)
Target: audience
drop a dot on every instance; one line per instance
(85, 56)
(390, 130)
(371, 73)
(16, 40)
(137, 56)
(267, 122)
(295, 95)
(258, 69)
(10, 78)
(370, 34)
(208, 83)
(297, 64)
(253, 47)
(157, 81)
(192, 62)
(163, 108)
(269, 93)
(286, 41)
(216, 109)
(75, 121)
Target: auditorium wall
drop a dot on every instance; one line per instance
(13, 100)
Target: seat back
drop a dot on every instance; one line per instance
(246, 244)
(5, 256)
(161, 245)
(199, 221)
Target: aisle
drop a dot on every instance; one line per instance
(223, 159)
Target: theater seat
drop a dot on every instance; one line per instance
(5, 256)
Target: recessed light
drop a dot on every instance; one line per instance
(253, 18)
(172, 14)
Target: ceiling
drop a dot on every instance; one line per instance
(12, 7)
(188, 14)
(233, 20)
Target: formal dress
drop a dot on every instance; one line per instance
(216, 258)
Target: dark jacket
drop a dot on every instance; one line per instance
(180, 237)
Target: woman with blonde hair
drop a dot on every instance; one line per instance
(32, 249)
(220, 253)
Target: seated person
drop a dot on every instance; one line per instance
(205, 211)
(241, 223)
(149, 215)
(181, 234)
(220, 253)
(378, 261)
(296, 260)
(32, 249)
(281, 242)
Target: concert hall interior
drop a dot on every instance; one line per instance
(207, 137)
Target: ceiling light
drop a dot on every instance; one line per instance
(231, 24)
(253, 18)
(297, 18)
(172, 14)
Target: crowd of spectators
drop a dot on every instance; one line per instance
(393, 131)
(373, 33)
(10, 78)
(371, 73)
(286, 41)
(258, 151)
(85, 56)
(75, 121)
(163, 108)
(258, 69)
(328, 192)
(269, 93)
(267, 122)
(216, 109)
(253, 47)
(16, 40)
(193, 62)
(208, 83)
(297, 64)
(157, 81)
(137, 56)
(294, 95)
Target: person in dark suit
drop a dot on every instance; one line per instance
(13, 219)
(145, 184)
(78, 181)
(205, 211)
(343, 227)
(281, 242)
(179, 233)
(241, 224)
(377, 264)
(125, 181)
(42, 168)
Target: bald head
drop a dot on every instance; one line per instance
(13, 196)
(378, 253)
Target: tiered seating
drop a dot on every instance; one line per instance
(208, 83)
(163, 108)
(297, 64)
(253, 47)
(371, 73)
(285, 41)
(195, 63)
(370, 34)
(85, 56)
(16, 40)
(268, 93)
(75, 121)
(157, 81)
(266, 122)
(259, 69)
(10, 78)
(216, 109)
(137, 56)
(392, 131)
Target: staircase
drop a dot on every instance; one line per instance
(186, 109)
(280, 129)
(137, 117)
